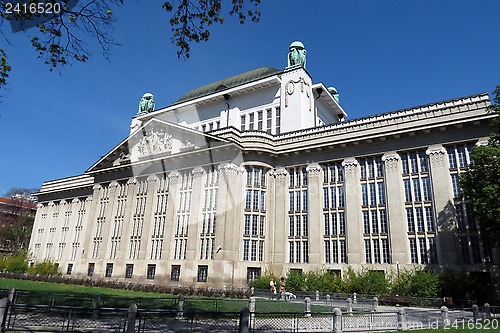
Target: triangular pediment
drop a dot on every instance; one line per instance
(156, 139)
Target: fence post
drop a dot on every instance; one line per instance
(307, 307)
(251, 307)
(487, 310)
(354, 298)
(375, 304)
(444, 315)
(349, 306)
(4, 308)
(337, 320)
(132, 315)
(252, 291)
(475, 312)
(180, 308)
(244, 326)
(97, 301)
(401, 320)
(317, 295)
(12, 294)
(327, 299)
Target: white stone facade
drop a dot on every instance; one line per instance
(266, 175)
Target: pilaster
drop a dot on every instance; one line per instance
(129, 211)
(314, 212)
(398, 229)
(443, 204)
(91, 227)
(171, 216)
(354, 221)
(196, 205)
(106, 230)
(278, 223)
(148, 217)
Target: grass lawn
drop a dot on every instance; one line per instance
(109, 298)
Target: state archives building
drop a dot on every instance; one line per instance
(262, 173)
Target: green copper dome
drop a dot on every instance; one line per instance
(228, 83)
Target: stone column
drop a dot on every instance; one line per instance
(171, 216)
(90, 228)
(228, 234)
(148, 217)
(396, 214)
(127, 219)
(314, 212)
(194, 217)
(354, 222)
(443, 204)
(278, 225)
(106, 229)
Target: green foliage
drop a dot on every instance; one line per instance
(461, 285)
(481, 182)
(15, 263)
(417, 283)
(263, 282)
(366, 282)
(190, 19)
(45, 267)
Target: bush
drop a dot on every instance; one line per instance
(45, 267)
(263, 282)
(366, 282)
(417, 283)
(16, 263)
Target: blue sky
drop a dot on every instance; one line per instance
(380, 55)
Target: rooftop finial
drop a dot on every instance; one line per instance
(297, 55)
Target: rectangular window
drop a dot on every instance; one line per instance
(343, 251)
(341, 196)
(260, 118)
(341, 223)
(251, 121)
(433, 258)
(261, 250)
(426, 187)
(407, 185)
(385, 251)
(429, 217)
(90, 269)
(413, 162)
(368, 252)
(129, 270)
(151, 271)
(451, 157)
(409, 219)
(456, 186)
(243, 119)
(366, 222)
(246, 230)
(381, 193)
(383, 221)
(424, 166)
(404, 162)
(69, 269)
(364, 194)
(175, 273)
(253, 274)
(416, 189)
(362, 168)
(373, 194)
(291, 251)
(255, 200)
(253, 253)
(423, 251)
(325, 198)
(327, 251)
(376, 251)
(326, 221)
(109, 269)
(419, 215)
(413, 251)
(246, 249)
(202, 273)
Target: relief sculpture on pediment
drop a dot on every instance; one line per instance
(154, 142)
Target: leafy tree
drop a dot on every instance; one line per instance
(60, 38)
(45, 267)
(417, 283)
(481, 182)
(15, 263)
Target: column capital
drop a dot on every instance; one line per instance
(198, 172)
(230, 169)
(131, 181)
(279, 174)
(350, 165)
(114, 183)
(391, 160)
(152, 179)
(436, 154)
(313, 170)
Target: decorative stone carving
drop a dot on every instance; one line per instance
(290, 89)
(152, 179)
(313, 171)
(391, 161)
(131, 181)
(436, 155)
(279, 174)
(114, 184)
(198, 173)
(173, 177)
(350, 165)
(230, 170)
(154, 142)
